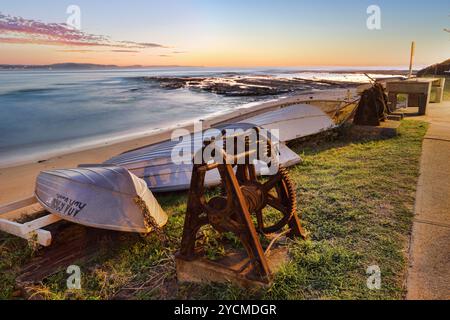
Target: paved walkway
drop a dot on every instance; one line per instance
(429, 270)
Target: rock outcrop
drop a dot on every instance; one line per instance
(245, 85)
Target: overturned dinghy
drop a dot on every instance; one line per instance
(106, 197)
(155, 165)
(293, 122)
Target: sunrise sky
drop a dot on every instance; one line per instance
(224, 33)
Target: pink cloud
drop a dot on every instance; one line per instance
(17, 30)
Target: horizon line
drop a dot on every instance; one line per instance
(399, 67)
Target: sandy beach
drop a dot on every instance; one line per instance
(17, 182)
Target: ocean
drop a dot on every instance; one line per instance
(45, 113)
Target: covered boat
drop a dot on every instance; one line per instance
(107, 197)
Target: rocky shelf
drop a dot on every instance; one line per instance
(246, 85)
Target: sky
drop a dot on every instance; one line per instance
(244, 33)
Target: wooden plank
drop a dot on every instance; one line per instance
(74, 244)
(25, 212)
(17, 205)
(41, 222)
(43, 237)
(30, 230)
(227, 268)
(11, 227)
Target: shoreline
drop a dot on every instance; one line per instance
(17, 182)
(123, 137)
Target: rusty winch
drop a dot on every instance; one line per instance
(243, 197)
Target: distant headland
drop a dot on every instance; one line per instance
(76, 66)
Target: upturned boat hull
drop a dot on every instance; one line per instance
(154, 163)
(107, 197)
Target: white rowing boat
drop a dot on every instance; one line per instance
(293, 122)
(106, 197)
(154, 163)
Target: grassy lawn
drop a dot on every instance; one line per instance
(356, 198)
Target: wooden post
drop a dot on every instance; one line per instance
(411, 60)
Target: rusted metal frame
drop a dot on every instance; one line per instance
(193, 222)
(242, 195)
(250, 238)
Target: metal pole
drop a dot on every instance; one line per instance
(411, 60)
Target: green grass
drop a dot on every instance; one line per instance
(356, 199)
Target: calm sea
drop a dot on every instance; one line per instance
(44, 113)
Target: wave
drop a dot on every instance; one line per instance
(28, 91)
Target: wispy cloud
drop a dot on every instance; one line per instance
(140, 45)
(17, 30)
(124, 51)
(76, 50)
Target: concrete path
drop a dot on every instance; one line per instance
(429, 270)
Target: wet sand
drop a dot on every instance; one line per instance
(17, 182)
